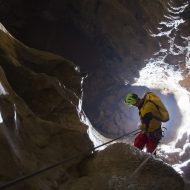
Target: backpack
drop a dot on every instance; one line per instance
(153, 98)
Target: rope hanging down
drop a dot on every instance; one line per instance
(22, 178)
(141, 165)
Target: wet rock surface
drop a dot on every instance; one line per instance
(40, 123)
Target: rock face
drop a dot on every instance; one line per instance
(186, 33)
(116, 29)
(114, 169)
(40, 94)
(109, 40)
(40, 125)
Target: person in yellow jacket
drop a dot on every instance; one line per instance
(151, 132)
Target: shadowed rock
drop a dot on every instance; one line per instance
(39, 98)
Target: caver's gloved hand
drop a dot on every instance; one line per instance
(142, 127)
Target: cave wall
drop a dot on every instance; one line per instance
(44, 89)
(97, 35)
(112, 31)
(39, 114)
(109, 40)
(40, 126)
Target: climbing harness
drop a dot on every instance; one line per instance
(22, 178)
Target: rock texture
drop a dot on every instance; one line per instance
(39, 97)
(109, 40)
(184, 29)
(186, 33)
(114, 169)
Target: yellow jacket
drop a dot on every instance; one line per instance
(147, 112)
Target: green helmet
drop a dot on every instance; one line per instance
(131, 99)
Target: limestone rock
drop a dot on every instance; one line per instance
(41, 92)
(185, 82)
(109, 40)
(113, 168)
(40, 125)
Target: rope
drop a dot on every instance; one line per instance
(141, 165)
(139, 168)
(22, 178)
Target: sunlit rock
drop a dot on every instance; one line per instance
(39, 125)
(114, 168)
(186, 152)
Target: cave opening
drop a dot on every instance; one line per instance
(165, 79)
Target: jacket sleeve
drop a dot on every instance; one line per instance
(146, 115)
(147, 118)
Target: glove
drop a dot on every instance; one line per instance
(142, 127)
